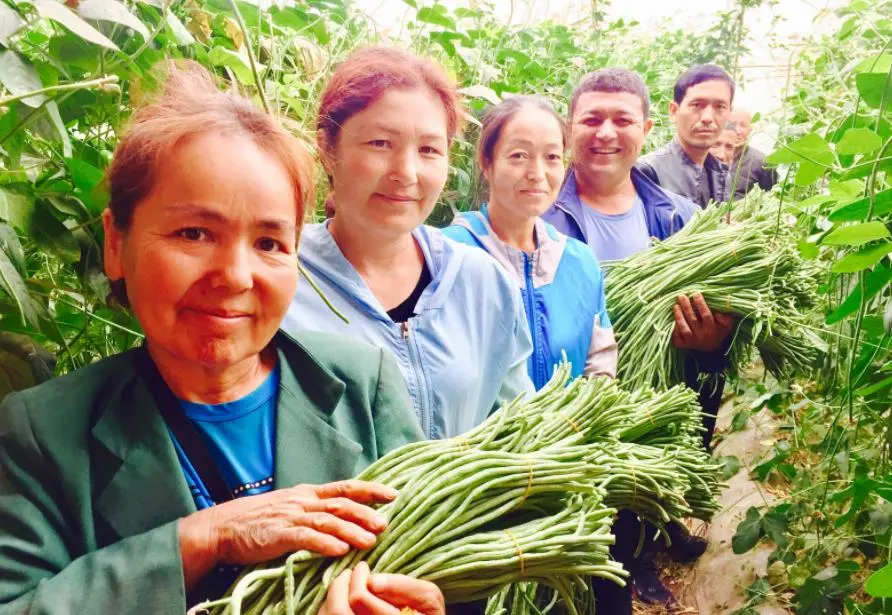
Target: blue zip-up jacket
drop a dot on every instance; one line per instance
(462, 354)
(563, 291)
(664, 212)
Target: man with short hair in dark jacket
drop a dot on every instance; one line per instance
(617, 210)
(700, 108)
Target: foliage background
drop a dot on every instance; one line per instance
(71, 74)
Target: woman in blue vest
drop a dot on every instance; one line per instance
(521, 155)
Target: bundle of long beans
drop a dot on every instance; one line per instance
(750, 269)
(529, 495)
(536, 599)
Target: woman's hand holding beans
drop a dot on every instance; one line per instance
(327, 519)
(359, 592)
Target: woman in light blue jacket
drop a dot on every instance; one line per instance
(452, 317)
(520, 152)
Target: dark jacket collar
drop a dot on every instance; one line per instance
(711, 163)
(659, 207)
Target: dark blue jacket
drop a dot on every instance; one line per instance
(664, 211)
(665, 214)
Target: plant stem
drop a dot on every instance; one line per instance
(257, 82)
(80, 85)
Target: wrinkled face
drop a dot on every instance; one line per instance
(390, 163)
(743, 124)
(607, 133)
(725, 146)
(527, 165)
(702, 113)
(209, 260)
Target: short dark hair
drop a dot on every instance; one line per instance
(498, 115)
(612, 80)
(700, 74)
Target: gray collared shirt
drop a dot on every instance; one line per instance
(673, 169)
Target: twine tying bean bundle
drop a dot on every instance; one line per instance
(751, 269)
(529, 495)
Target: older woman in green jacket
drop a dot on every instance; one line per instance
(149, 476)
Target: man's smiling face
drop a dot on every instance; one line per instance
(607, 133)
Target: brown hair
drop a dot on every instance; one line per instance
(497, 116)
(612, 80)
(364, 77)
(190, 105)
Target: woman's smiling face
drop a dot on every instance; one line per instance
(527, 166)
(390, 163)
(209, 259)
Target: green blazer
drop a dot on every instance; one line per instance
(91, 488)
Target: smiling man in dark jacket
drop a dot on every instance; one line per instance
(618, 211)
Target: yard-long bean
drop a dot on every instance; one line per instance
(751, 270)
(528, 495)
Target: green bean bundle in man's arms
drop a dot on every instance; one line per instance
(750, 269)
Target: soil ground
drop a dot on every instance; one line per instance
(716, 583)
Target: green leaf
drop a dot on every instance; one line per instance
(738, 422)
(880, 63)
(52, 235)
(19, 78)
(181, 35)
(518, 56)
(807, 249)
(290, 17)
(874, 388)
(858, 210)
(775, 525)
(481, 91)
(874, 88)
(748, 532)
(15, 209)
(808, 148)
(61, 14)
(807, 174)
(876, 280)
(9, 243)
(429, 15)
(879, 584)
(52, 110)
(818, 199)
(859, 141)
(11, 281)
(10, 22)
(113, 11)
(730, 466)
(85, 176)
(846, 190)
(220, 56)
(856, 234)
(862, 259)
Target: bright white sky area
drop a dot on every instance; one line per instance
(764, 69)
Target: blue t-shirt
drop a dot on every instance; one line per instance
(240, 436)
(616, 236)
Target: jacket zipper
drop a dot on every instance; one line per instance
(419, 379)
(534, 330)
